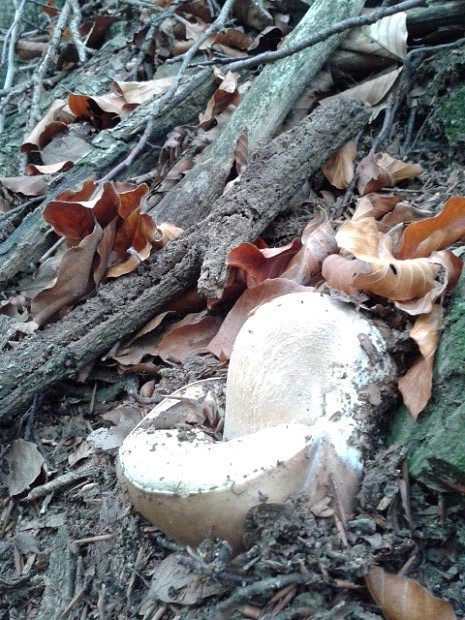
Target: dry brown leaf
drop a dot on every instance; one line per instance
(371, 91)
(135, 93)
(401, 598)
(25, 463)
(221, 345)
(339, 168)
(393, 279)
(374, 205)
(387, 37)
(143, 343)
(74, 279)
(402, 213)
(318, 242)
(398, 280)
(415, 385)
(61, 166)
(164, 233)
(340, 271)
(225, 95)
(189, 336)
(27, 185)
(378, 170)
(434, 233)
(56, 119)
(259, 265)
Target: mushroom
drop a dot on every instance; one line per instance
(193, 488)
(306, 376)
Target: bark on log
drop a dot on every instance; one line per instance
(261, 112)
(120, 308)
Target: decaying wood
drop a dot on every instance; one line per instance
(27, 243)
(261, 112)
(120, 308)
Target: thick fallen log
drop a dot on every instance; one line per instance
(121, 307)
(261, 112)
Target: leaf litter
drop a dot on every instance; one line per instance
(389, 253)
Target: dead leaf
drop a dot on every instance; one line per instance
(189, 336)
(174, 583)
(387, 37)
(225, 95)
(259, 265)
(372, 91)
(318, 242)
(143, 343)
(221, 345)
(374, 205)
(378, 170)
(339, 168)
(74, 279)
(55, 120)
(27, 185)
(62, 166)
(25, 463)
(164, 233)
(401, 598)
(388, 277)
(415, 385)
(434, 233)
(135, 93)
(340, 272)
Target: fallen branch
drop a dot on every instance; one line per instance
(120, 308)
(263, 109)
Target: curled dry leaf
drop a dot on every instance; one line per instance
(434, 233)
(401, 598)
(340, 271)
(225, 95)
(339, 168)
(318, 242)
(164, 233)
(259, 265)
(61, 166)
(386, 37)
(135, 93)
(27, 185)
(388, 277)
(25, 463)
(374, 205)
(74, 279)
(55, 120)
(189, 336)
(378, 170)
(371, 91)
(415, 385)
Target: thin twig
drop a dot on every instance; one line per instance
(287, 50)
(74, 24)
(38, 77)
(160, 103)
(60, 482)
(12, 35)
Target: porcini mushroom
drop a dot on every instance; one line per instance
(306, 374)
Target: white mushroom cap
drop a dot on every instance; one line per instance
(194, 489)
(304, 358)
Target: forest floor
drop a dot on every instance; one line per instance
(78, 550)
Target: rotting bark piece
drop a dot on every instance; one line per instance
(120, 308)
(263, 109)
